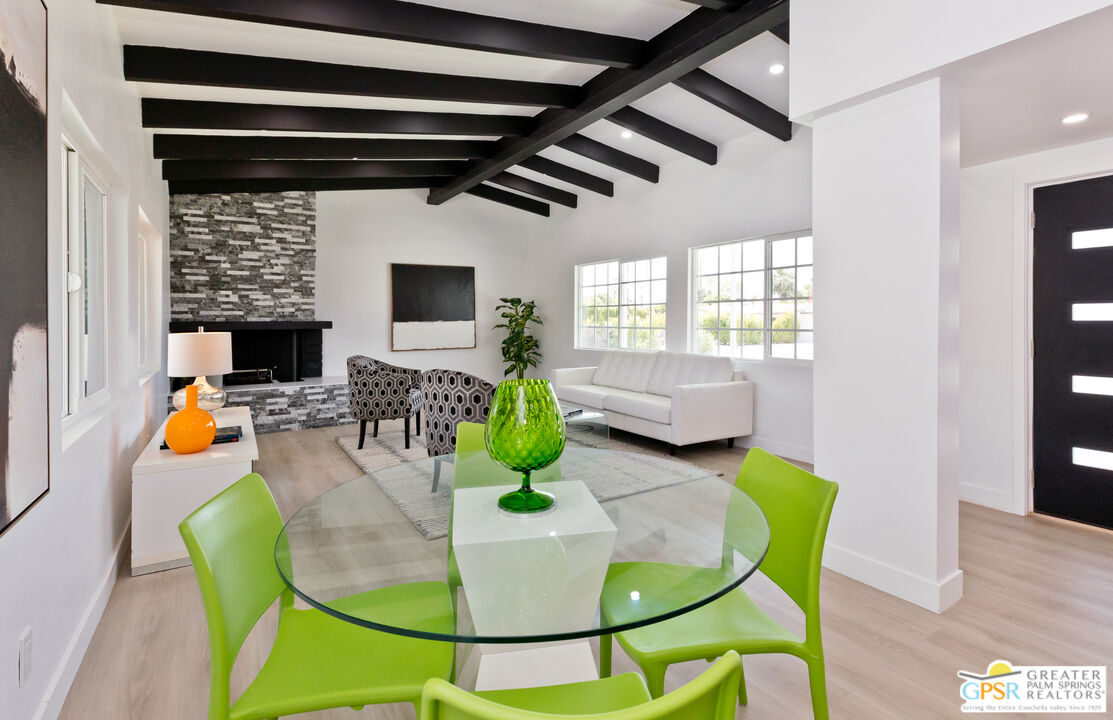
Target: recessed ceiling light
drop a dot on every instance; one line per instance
(626, 134)
(1075, 118)
(776, 69)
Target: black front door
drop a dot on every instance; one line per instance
(1073, 363)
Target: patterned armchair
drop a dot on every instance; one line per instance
(451, 398)
(380, 391)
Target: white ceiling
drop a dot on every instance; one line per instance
(1014, 97)
(745, 67)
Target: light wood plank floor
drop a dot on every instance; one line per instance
(1037, 592)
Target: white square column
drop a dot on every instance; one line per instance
(885, 221)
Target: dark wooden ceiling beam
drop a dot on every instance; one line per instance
(666, 134)
(781, 31)
(267, 147)
(215, 69)
(723, 95)
(607, 155)
(570, 175)
(263, 185)
(699, 37)
(719, 4)
(197, 114)
(514, 200)
(414, 22)
(303, 169)
(532, 187)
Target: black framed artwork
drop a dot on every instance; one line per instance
(432, 307)
(24, 411)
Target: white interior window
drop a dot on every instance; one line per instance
(753, 299)
(85, 282)
(621, 304)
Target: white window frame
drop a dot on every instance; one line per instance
(767, 329)
(148, 298)
(620, 327)
(76, 169)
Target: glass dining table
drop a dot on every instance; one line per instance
(634, 539)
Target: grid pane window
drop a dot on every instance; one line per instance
(622, 304)
(753, 299)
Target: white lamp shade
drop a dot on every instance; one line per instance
(198, 353)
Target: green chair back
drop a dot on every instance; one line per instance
(797, 505)
(231, 544)
(711, 696)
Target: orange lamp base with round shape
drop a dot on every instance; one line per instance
(191, 429)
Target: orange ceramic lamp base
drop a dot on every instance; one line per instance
(191, 429)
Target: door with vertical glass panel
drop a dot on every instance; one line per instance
(1073, 351)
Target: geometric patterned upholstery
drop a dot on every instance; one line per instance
(381, 391)
(450, 398)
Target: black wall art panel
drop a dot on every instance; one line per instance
(24, 413)
(432, 307)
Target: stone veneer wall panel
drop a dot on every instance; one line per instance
(243, 256)
(281, 407)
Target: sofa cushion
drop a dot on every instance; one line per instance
(625, 370)
(643, 405)
(672, 369)
(587, 395)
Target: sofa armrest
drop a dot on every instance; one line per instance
(573, 376)
(712, 411)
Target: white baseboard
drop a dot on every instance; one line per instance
(936, 596)
(60, 684)
(781, 449)
(987, 496)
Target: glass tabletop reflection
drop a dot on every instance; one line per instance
(633, 539)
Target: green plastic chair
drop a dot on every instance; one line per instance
(625, 697)
(798, 506)
(317, 661)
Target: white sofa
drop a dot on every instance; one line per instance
(675, 397)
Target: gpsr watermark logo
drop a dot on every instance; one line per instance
(1034, 689)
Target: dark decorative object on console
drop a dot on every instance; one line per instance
(380, 391)
(24, 413)
(432, 307)
(450, 398)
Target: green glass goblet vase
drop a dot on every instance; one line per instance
(525, 433)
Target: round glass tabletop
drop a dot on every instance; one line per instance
(633, 539)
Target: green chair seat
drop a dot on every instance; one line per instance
(320, 662)
(626, 697)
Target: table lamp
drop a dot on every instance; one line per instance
(197, 355)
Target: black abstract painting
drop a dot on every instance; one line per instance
(432, 307)
(24, 415)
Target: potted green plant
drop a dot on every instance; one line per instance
(520, 349)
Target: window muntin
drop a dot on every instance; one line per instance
(752, 299)
(621, 304)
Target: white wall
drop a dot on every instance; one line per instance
(996, 313)
(843, 50)
(760, 186)
(886, 368)
(359, 234)
(58, 563)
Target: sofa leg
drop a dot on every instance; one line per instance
(407, 424)
(375, 430)
(362, 432)
(730, 443)
(672, 449)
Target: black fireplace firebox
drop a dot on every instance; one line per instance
(281, 350)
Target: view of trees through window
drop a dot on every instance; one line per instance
(753, 299)
(621, 304)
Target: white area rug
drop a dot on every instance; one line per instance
(407, 484)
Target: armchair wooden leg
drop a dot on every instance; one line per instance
(362, 432)
(417, 423)
(730, 442)
(375, 430)
(407, 424)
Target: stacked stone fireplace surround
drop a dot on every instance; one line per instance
(252, 257)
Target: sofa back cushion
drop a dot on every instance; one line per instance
(672, 369)
(625, 370)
